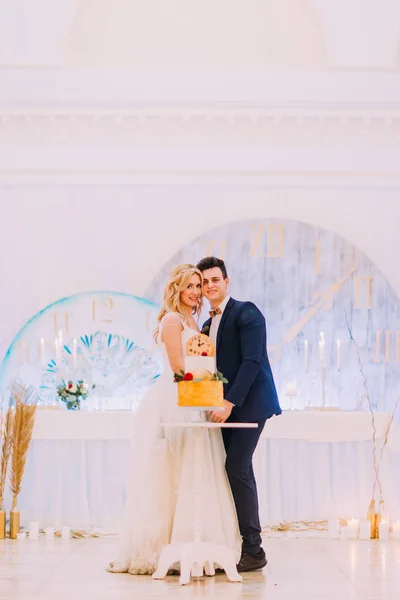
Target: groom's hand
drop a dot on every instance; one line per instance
(221, 416)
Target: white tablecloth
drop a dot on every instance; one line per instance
(306, 425)
(309, 465)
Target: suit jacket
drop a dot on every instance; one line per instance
(242, 358)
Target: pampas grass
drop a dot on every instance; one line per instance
(25, 412)
(7, 439)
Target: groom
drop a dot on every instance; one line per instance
(239, 335)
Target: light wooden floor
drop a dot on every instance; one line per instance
(298, 568)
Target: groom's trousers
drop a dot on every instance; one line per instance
(240, 445)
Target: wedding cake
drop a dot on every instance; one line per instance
(200, 385)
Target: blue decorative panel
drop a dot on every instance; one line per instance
(114, 349)
(308, 281)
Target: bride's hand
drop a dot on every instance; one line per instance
(221, 416)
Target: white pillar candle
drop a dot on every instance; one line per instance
(42, 352)
(338, 354)
(34, 530)
(74, 352)
(57, 351)
(344, 533)
(21, 349)
(60, 344)
(291, 389)
(384, 530)
(21, 535)
(65, 533)
(49, 533)
(306, 355)
(322, 352)
(334, 528)
(352, 525)
(365, 530)
(396, 530)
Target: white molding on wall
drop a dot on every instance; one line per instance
(127, 88)
(365, 120)
(211, 179)
(124, 127)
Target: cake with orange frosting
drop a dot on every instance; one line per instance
(200, 385)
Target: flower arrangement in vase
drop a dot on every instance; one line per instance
(73, 393)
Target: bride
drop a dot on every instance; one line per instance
(159, 504)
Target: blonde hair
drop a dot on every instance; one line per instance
(177, 283)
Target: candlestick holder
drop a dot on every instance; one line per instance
(374, 519)
(2, 524)
(14, 523)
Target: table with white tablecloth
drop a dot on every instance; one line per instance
(309, 465)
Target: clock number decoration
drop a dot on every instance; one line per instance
(104, 338)
(309, 282)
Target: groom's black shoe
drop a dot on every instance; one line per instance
(252, 562)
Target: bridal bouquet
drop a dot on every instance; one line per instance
(72, 393)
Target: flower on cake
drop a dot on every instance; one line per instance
(205, 376)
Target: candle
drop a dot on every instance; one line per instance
(20, 352)
(338, 354)
(60, 344)
(352, 526)
(65, 533)
(57, 349)
(42, 352)
(291, 389)
(291, 392)
(34, 530)
(306, 355)
(21, 536)
(344, 533)
(334, 528)
(322, 353)
(49, 533)
(384, 530)
(365, 530)
(74, 351)
(396, 530)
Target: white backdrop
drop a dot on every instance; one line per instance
(60, 241)
(128, 129)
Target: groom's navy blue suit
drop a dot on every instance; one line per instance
(242, 358)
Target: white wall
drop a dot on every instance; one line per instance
(55, 241)
(128, 128)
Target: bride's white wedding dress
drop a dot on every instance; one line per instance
(160, 500)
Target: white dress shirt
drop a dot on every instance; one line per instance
(215, 321)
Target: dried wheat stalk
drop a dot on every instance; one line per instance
(23, 427)
(8, 435)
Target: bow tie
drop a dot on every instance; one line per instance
(215, 311)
